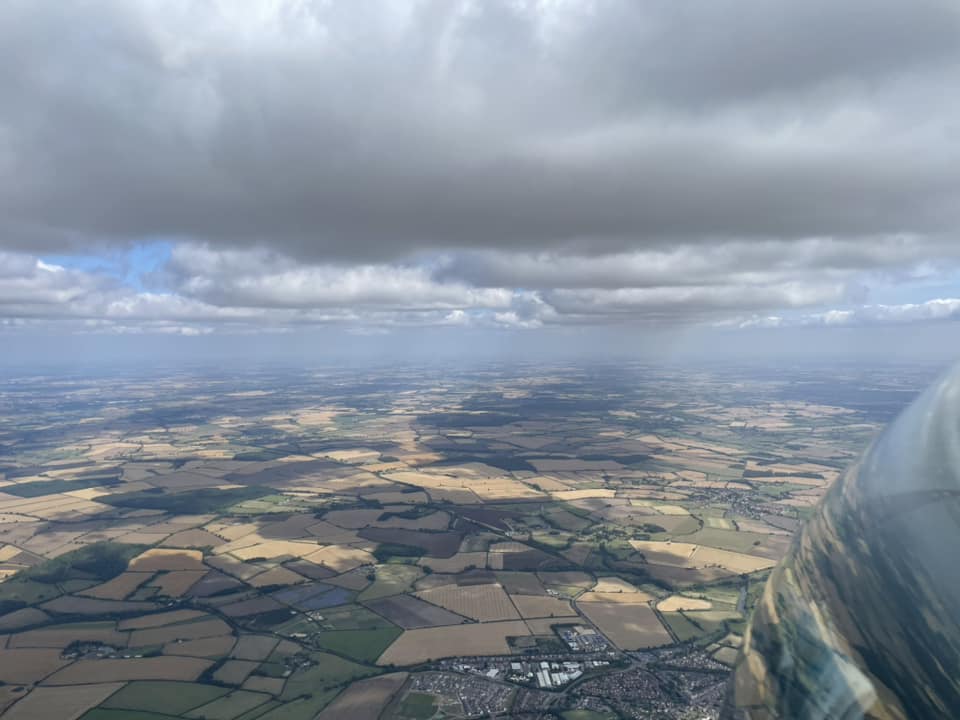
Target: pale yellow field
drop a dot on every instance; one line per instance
(613, 585)
(485, 603)
(630, 627)
(665, 553)
(83, 672)
(542, 606)
(487, 488)
(157, 559)
(675, 603)
(341, 559)
(9, 551)
(508, 547)
(255, 546)
(416, 646)
(688, 555)
(548, 483)
(62, 703)
(733, 561)
(584, 494)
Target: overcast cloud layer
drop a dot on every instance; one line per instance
(499, 164)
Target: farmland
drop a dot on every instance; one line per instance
(273, 546)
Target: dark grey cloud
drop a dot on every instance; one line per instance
(371, 131)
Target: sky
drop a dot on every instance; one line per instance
(555, 176)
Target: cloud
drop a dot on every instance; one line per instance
(372, 131)
(930, 310)
(510, 164)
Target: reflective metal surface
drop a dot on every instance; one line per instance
(862, 619)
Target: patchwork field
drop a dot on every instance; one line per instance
(290, 547)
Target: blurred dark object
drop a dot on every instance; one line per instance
(862, 618)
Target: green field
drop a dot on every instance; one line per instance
(205, 500)
(175, 698)
(418, 706)
(329, 672)
(391, 580)
(102, 714)
(362, 645)
(305, 708)
(230, 706)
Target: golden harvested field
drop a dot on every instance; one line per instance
(416, 646)
(584, 494)
(675, 603)
(60, 703)
(157, 559)
(485, 603)
(119, 587)
(341, 559)
(23, 666)
(664, 553)
(613, 585)
(688, 555)
(248, 548)
(364, 700)
(541, 606)
(83, 672)
(487, 488)
(629, 627)
(735, 562)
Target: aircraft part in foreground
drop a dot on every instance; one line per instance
(862, 618)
